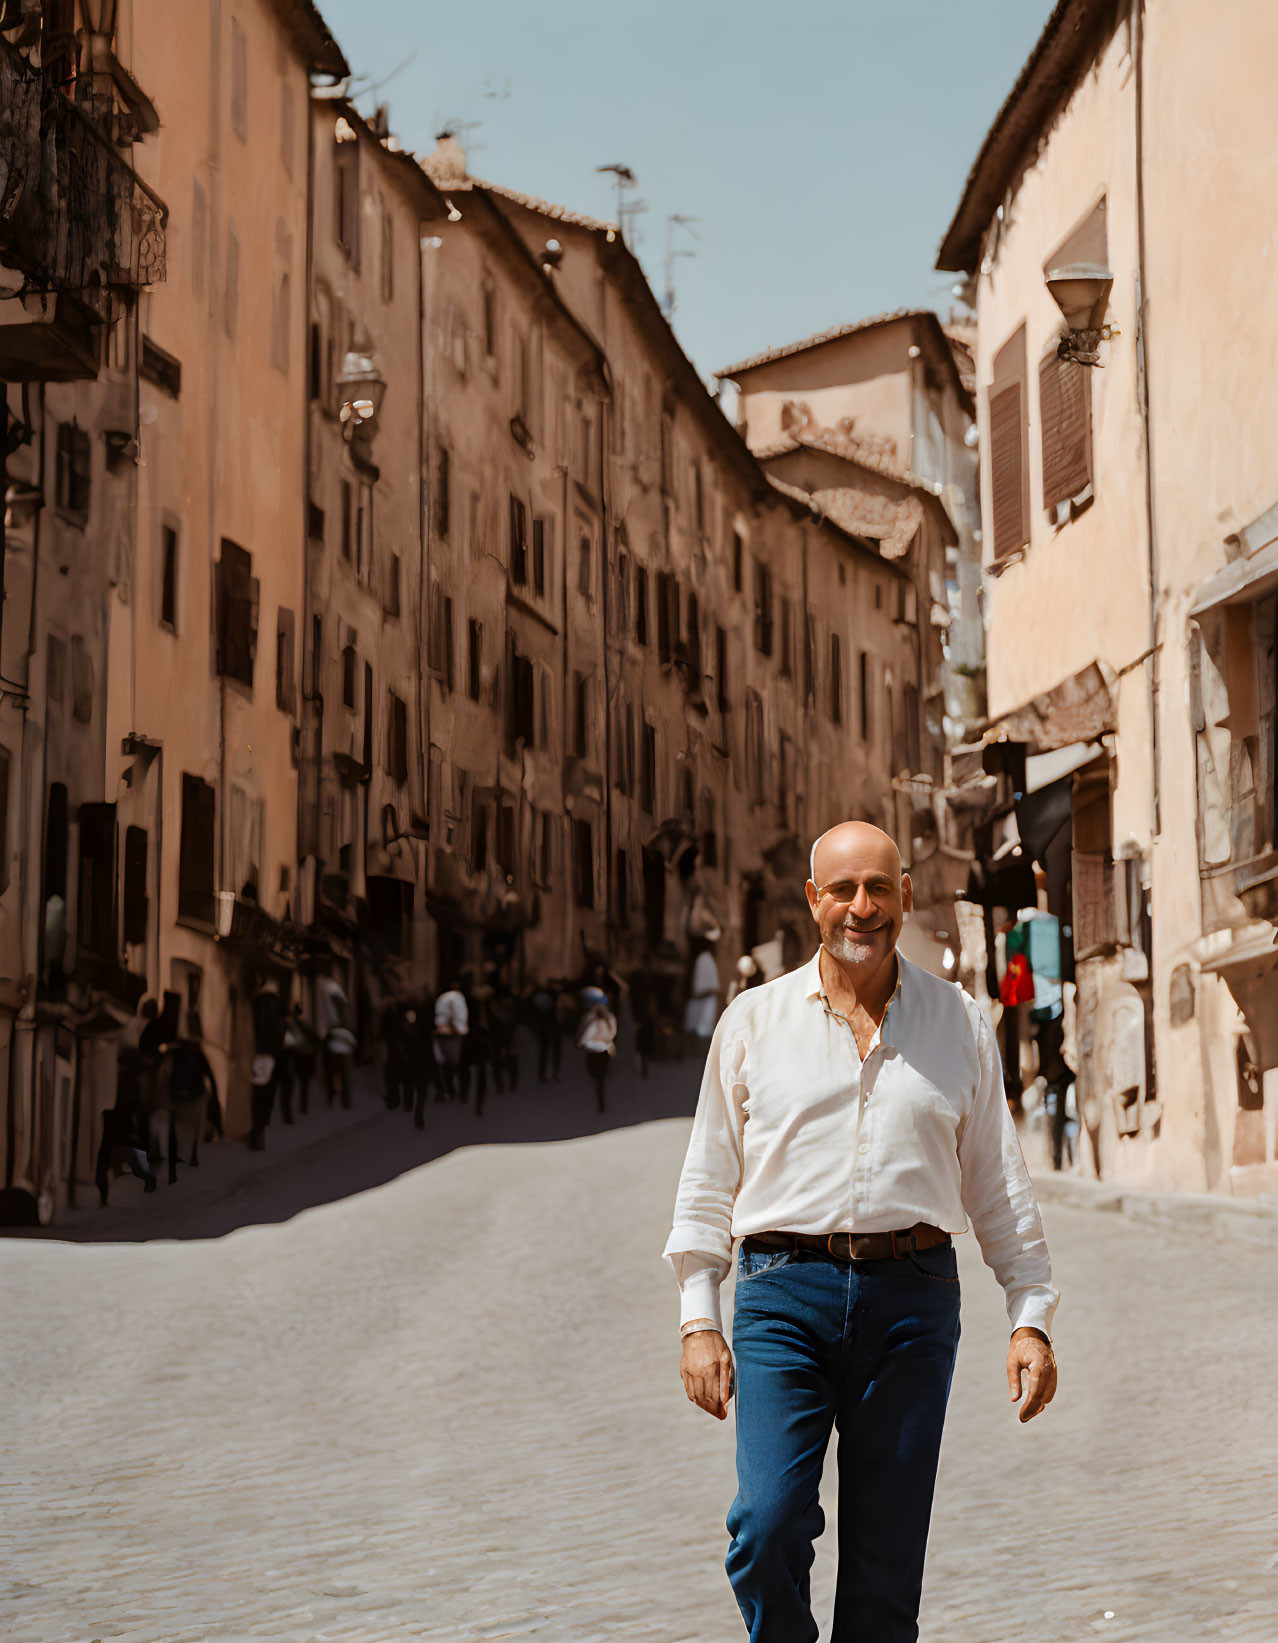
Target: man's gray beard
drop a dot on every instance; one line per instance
(850, 949)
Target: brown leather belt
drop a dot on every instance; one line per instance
(854, 1246)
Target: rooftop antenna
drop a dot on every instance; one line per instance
(673, 224)
(628, 208)
(461, 129)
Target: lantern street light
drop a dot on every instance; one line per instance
(362, 388)
(1081, 292)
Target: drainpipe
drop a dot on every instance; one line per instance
(1142, 390)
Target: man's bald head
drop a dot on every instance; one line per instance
(863, 837)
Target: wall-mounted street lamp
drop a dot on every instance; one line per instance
(1081, 292)
(362, 388)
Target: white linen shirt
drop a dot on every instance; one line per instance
(795, 1133)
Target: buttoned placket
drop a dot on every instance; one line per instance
(864, 1087)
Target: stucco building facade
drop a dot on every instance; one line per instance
(1129, 561)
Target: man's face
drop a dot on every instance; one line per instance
(860, 897)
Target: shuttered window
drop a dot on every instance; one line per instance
(1065, 411)
(1009, 451)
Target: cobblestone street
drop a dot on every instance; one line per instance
(448, 1406)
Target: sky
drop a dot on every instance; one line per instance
(822, 145)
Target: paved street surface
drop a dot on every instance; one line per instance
(444, 1403)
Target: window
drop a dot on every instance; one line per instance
(836, 679)
(581, 714)
(648, 769)
(490, 322)
(583, 861)
(692, 638)
(667, 614)
(623, 592)
(755, 754)
(239, 81)
(280, 324)
(168, 577)
(346, 201)
(474, 660)
(478, 836)
(348, 521)
(787, 640)
(518, 543)
(523, 705)
(762, 608)
(441, 637)
(641, 605)
(136, 904)
(623, 889)
(287, 123)
(97, 907)
(864, 693)
(364, 535)
(721, 668)
(237, 600)
(583, 568)
(349, 667)
(72, 477)
(388, 256)
(443, 497)
(546, 849)
(81, 681)
(195, 851)
(397, 739)
(698, 499)
(367, 759)
(1009, 452)
(391, 603)
(285, 695)
(506, 839)
(231, 289)
(317, 655)
(314, 365)
(738, 561)
(1234, 707)
(1065, 415)
(55, 668)
(539, 557)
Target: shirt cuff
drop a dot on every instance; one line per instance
(699, 1296)
(1033, 1308)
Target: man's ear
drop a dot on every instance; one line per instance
(907, 894)
(810, 891)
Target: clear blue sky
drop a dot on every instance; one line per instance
(822, 143)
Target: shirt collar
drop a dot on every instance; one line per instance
(814, 987)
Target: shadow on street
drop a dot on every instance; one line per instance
(331, 1154)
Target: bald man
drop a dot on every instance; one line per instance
(851, 1122)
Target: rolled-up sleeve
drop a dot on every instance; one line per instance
(699, 1247)
(998, 1196)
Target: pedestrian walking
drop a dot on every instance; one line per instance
(702, 1009)
(452, 1027)
(597, 1036)
(395, 1065)
(124, 1130)
(160, 1031)
(503, 1015)
(331, 1012)
(190, 1089)
(306, 1049)
(268, 1046)
(877, 1129)
(542, 1014)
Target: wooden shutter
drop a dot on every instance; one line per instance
(1009, 453)
(1095, 914)
(1006, 462)
(1065, 411)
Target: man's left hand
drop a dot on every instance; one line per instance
(1031, 1370)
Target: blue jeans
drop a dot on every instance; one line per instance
(867, 1348)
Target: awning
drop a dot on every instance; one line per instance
(1079, 709)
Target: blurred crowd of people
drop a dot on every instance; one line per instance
(450, 1046)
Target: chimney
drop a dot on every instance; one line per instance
(446, 164)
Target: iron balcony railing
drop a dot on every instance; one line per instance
(73, 215)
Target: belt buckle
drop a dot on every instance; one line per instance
(847, 1256)
(898, 1254)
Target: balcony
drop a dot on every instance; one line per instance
(75, 219)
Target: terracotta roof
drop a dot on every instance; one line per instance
(310, 36)
(558, 213)
(832, 335)
(843, 451)
(1066, 49)
(810, 505)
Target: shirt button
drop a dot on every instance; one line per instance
(863, 1147)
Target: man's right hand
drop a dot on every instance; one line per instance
(707, 1371)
